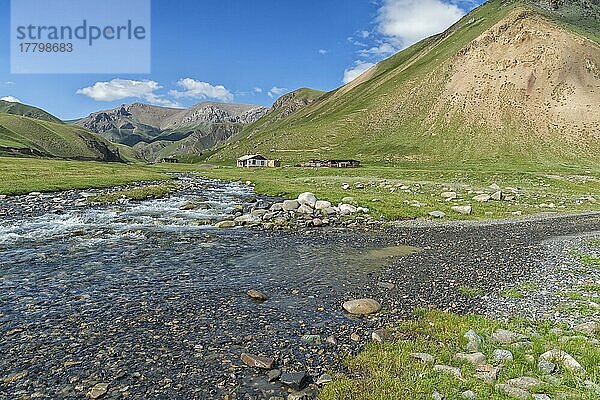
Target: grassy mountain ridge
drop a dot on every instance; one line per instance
(8, 107)
(21, 135)
(505, 84)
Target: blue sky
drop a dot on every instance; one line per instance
(239, 51)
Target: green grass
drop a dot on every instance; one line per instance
(388, 372)
(384, 196)
(142, 193)
(519, 291)
(470, 291)
(382, 192)
(588, 260)
(25, 175)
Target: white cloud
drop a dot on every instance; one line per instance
(7, 83)
(11, 99)
(383, 49)
(408, 21)
(258, 90)
(202, 90)
(357, 70)
(119, 89)
(365, 34)
(276, 92)
(323, 52)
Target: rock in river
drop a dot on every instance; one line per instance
(257, 361)
(362, 306)
(256, 295)
(294, 380)
(98, 390)
(307, 199)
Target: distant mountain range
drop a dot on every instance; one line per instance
(157, 132)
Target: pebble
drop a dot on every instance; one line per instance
(514, 392)
(427, 358)
(98, 390)
(382, 336)
(362, 306)
(468, 394)
(254, 361)
(561, 357)
(256, 295)
(448, 370)
(294, 380)
(502, 355)
(472, 358)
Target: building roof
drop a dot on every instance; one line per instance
(249, 157)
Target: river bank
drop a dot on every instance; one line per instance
(143, 297)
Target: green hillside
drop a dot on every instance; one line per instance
(27, 136)
(8, 107)
(477, 92)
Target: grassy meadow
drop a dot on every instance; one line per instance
(388, 371)
(394, 192)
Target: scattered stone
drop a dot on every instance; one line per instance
(323, 379)
(475, 341)
(502, 336)
(437, 396)
(465, 210)
(348, 200)
(98, 390)
(437, 214)
(317, 222)
(345, 186)
(273, 375)
(482, 198)
(560, 357)
(529, 358)
(346, 209)
(307, 199)
(290, 205)
(497, 196)
(15, 377)
(468, 394)
(472, 358)
(487, 373)
(494, 186)
(257, 361)
(540, 396)
(525, 382)
(381, 336)
(256, 295)
(513, 392)
(189, 206)
(294, 380)
(331, 340)
(386, 285)
(276, 207)
(448, 370)
(546, 367)
(427, 358)
(322, 205)
(354, 337)
(225, 224)
(449, 195)
(362, 306)
(314, 339)
(305, 209)
(588, 328)
(502, 355)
